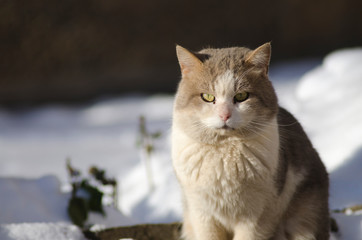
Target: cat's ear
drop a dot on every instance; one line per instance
(188, 61)
(260, 57)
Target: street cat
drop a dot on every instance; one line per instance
(246, 168)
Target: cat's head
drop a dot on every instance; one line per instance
(224, 92)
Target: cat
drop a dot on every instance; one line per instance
(246, 168)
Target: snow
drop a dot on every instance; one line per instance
(160, 205)
(36, 231)
(35, 143)
(335, 88)
(32, 200)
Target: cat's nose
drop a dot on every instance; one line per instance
(225, 116)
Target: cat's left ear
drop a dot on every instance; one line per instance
(260, 57)
(188, 61)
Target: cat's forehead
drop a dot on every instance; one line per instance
(225, 58)
(225, 68)
(220, 62)
(225, 84)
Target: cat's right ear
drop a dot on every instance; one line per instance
(260, 57)
(189, 62)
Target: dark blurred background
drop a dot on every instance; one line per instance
(73, 50)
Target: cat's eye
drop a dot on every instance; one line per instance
(207, 97)
(241, 97)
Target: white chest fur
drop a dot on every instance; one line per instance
(229, 177)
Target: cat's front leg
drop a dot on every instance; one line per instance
(250, 231)
(196, 227)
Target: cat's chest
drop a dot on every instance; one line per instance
(203, 163)
(229, 163)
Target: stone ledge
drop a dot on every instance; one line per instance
(169, 231)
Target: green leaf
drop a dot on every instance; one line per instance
(149, 149)
(78, 211)
(98, 174)
(95, 198)
(156, 135)
(71, 170)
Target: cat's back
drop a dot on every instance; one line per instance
(311, 194)
(297, 150)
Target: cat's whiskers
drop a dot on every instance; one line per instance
(268, 123)
(197, 126)
(259, 131)
(261, 127)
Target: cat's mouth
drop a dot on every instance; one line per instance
(226, 127)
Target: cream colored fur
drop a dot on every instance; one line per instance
(229, 186)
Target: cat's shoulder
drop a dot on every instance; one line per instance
(292, 134)
(288, 123)
(284, 116)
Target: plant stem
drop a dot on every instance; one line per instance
(151, 185)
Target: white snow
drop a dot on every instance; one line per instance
(35, 143)
(332, 95)
(32, 200)
(36, 231)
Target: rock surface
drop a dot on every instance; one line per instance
(140, 232)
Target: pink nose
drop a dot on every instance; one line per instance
(225, 116)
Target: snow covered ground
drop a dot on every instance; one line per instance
(35, 143)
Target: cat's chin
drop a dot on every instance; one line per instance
(225, 130)
(226, 127)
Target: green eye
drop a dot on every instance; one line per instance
(207, 97)
(241, 97)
